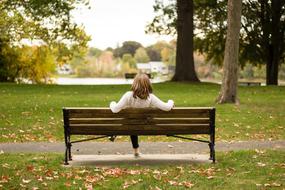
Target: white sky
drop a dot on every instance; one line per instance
(111, 22)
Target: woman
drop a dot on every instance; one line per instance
(140, 96)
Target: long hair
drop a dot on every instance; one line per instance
(141, 86)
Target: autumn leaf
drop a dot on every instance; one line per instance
(67, 184)
(129, 183)
(4, 179)
(26, 181)
(260, 164)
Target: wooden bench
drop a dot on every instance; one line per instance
(147, 121)
(132, 75)
(249, 83)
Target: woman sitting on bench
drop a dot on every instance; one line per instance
(140, 97)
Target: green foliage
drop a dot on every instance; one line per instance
(128, 47)
(96, 64)
(33, 63)
(129, 60)
(153, 54)
(154, 51)
(42, 22)
(165, 20)
(49, 21)
(94, 52)
(210, 28)
(141, 55)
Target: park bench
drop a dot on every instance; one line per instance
(132, 75)
(245, 83)
(144, 121)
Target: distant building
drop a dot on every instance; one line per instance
(144, 67)
(153, 67)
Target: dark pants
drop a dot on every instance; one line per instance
(135, 141)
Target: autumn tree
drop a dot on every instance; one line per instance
(47, 23)
(228, 93)
(141, 55)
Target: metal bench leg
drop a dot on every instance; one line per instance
(66, 156)
(67, 148)
(212, 152)
(69, 152)
(212, 148)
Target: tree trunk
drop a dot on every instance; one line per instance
(275, 44)
(272, 67)
(185, 69)
(228, 93)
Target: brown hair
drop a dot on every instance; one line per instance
(141, 86)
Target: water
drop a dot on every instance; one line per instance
(98, 81)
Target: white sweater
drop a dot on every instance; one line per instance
(128, 101)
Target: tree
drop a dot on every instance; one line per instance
(129, 47)
(153, 54)
(141, 55)
(261, 37)
(272, 18)
(45, 22)
(185, 69)
(228, 93)
(129, 60)
(168, 56)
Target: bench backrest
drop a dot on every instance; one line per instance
(146, 121)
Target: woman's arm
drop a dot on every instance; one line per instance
(156, 102)
(123, 103)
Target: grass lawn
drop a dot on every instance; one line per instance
(234, 170)
(33, 112)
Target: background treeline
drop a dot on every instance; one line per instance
(59, 40)
(123, 59)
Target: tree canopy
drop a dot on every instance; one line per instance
(45, 23)
(262, 36)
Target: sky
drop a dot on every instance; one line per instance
(111, 22)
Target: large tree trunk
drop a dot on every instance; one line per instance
(228, 93)
(272, 66)
(185, 69)
(275, 43)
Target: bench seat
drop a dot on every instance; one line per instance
(134, 121)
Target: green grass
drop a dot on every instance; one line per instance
(234, 170)
(33, 112)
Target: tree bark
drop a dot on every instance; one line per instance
(274, 43)
(228, 93)
(185, 68)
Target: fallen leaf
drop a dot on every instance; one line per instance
(67, 184)
(26, 181)
(276, 184)
(157, 188)
(188, 184)
(260, 164)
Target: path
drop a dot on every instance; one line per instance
(106, 148)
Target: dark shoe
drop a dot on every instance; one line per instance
(137, 155)
(112, 138)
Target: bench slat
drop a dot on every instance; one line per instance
(144, 132)
(139, 121)
(133, 115)
(140, 111)
(115, 129)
